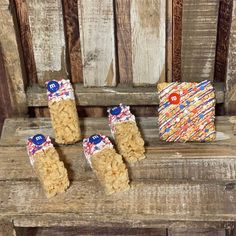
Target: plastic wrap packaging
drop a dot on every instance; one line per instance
(106, 163)
(126, 133)
(186, 112)
(62, 107)
(47, 166)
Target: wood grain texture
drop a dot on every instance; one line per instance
(199, 31)
(231, 65)
(197, 232)
(123, 37)
(47, 29)
(177, 39)
(148, 27)
(223, 33)
(6, 228)
(36, 96)
(26, 40)
(13, 67)
(169, 41)
(71, 22)
(97, 42)
(94, 231)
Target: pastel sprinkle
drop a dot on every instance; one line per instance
(167, 129)
(202, 87)
(188, 102)
(166, 104)
(181, 106)
(201, 116)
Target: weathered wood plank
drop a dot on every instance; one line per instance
(46, 26)
(143, 205)
(94, 231)
(223, 33)
(97, 42)
(148, 27)
(169, 41)
(36, 96)
(199, 30)
(231, 71)
(196, 232)
(71, 22)
(6, 228)
(123, 35)
(161, 164)
(177, 38)
(15, 132)
(12, 64)
(26, 40)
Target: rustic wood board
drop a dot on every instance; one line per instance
(36, 96)
(16, 131)
(47, 29)
(71, 22)
(197, 232)
(148, 27)
(145, 204)
(231, 71)
(12, 61)
(123, 35)
(199, 31)
(169, 40)
(97, 42)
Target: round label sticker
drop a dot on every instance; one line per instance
(53, 86)
(115, 110)
(38, 139)
(174, 98)
(95, 139)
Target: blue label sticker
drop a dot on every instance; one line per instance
(38, 139)
(95, 139)
(53, 86)
(115, 110)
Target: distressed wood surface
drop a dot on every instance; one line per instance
(123, 35)
(197, 232)
(11, 59)
(223, 33)
(145, 204)
(177, 39)
(97, 42)
(199, 30)
(26, 40)
(169, 41)
(36, 96)
(231, 67)
(6, 228)
(148, 26)
(71, 22)
(47, 29)
(16, 131)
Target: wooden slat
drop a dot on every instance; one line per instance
(146, 203)
(197, 232)
(231, 71)
(36, 96)
(70, 9)
(169, 40)
(223, 33)
(94, 231)
(26, 40)
(199, 30)
(46, 26)
(177, 39)
(97, 42)
(15, 131)
(10, 51)
(123, 34)
(148, 27)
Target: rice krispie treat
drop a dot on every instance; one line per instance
(186, 111)
(62, 107)
(106, 163)
(126, 133)
(47, 166)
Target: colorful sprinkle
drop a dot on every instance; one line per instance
(181, 106)
(201, 116)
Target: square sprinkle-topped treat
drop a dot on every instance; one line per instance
(186, 111)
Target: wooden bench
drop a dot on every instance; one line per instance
(177, 186)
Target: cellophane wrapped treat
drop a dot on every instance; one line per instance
(106, 163)
(186, 111)
(47, 165)
(62, 107)
(127, 136)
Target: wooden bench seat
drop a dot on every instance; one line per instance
(177, 184)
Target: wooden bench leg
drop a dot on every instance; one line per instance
(7, 228)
